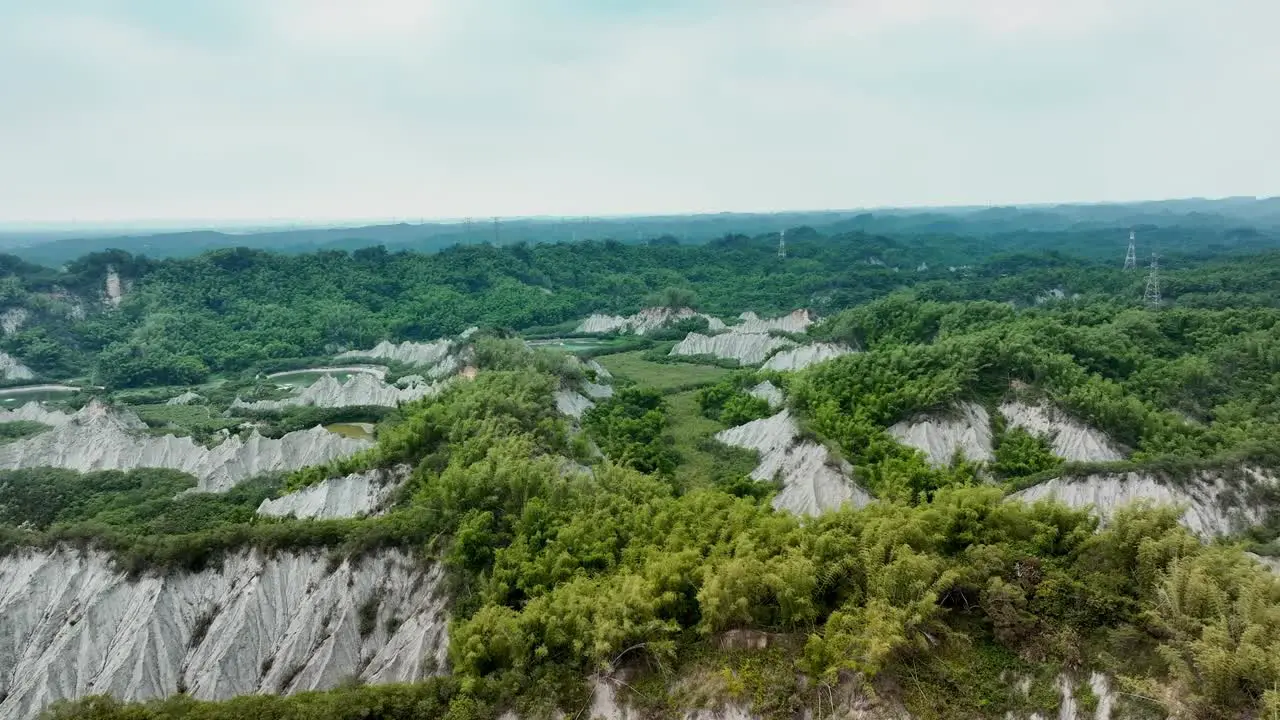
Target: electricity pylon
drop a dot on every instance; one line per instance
(1130, 257)
(1151, 295)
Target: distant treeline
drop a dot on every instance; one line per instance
(1226, 216)
(232, 310)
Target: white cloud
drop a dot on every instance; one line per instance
(320, 108)
(373, 27)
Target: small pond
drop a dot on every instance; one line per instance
(570, 344)
(360, 431)
(40, 393)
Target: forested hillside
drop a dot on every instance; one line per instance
(1229, 216)
(606, 521)
(182, 321)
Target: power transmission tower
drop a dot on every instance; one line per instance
(1130, 257)
(1151, 295)
(782, 244)
(497, 234)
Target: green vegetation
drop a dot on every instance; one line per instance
(242, 310)
(729, 402)
(630, 429)
(943, 595)
(704, 460)
(19, 429)
(139, 515)
(1181, 384)
(664, 377)
(1021, 454)
(199, 421)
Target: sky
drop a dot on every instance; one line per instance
(122, 110)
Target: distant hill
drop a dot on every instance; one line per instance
(1227, 215)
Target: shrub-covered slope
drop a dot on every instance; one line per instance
(631, 546)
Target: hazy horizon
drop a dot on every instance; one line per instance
(254, 224)
(138, 111)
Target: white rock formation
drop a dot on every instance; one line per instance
(647, 320)
(1269, 562)
(1050, 295)
(359, 389)
(409, 353)
(12, 320)
(185, 398)
(35, 412)
(1205, 496)
(98, 438)
(354, 495)
(1101, 686)
(598, 389)
(606, 705)
(73, 306)
(378, 371)
(1072, 439)
(746, 348)
(600, 323)
(801, 357)
(449, 365)
(572, 404)
(810, 483)
(796, 322)
(74, 626)
(768, 392)
(114, 290)
(12, 369)
(602, 373)
(966, 428)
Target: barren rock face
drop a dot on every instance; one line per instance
(966, 428)
(799, 358)
(768, 392)
(645, 321)
(1072, 439)
(185, 398)
(746, 348)
(359, 389)
(114, 289)
(12, 369)
(809, 482)
(34, 412)
(409, 353)
(12, 320)
(1213, 505)
(365, 493)
(797, 322)
(572, 404)
(98, 438)
(73, 626)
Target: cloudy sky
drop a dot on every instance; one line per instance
(324, 109)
